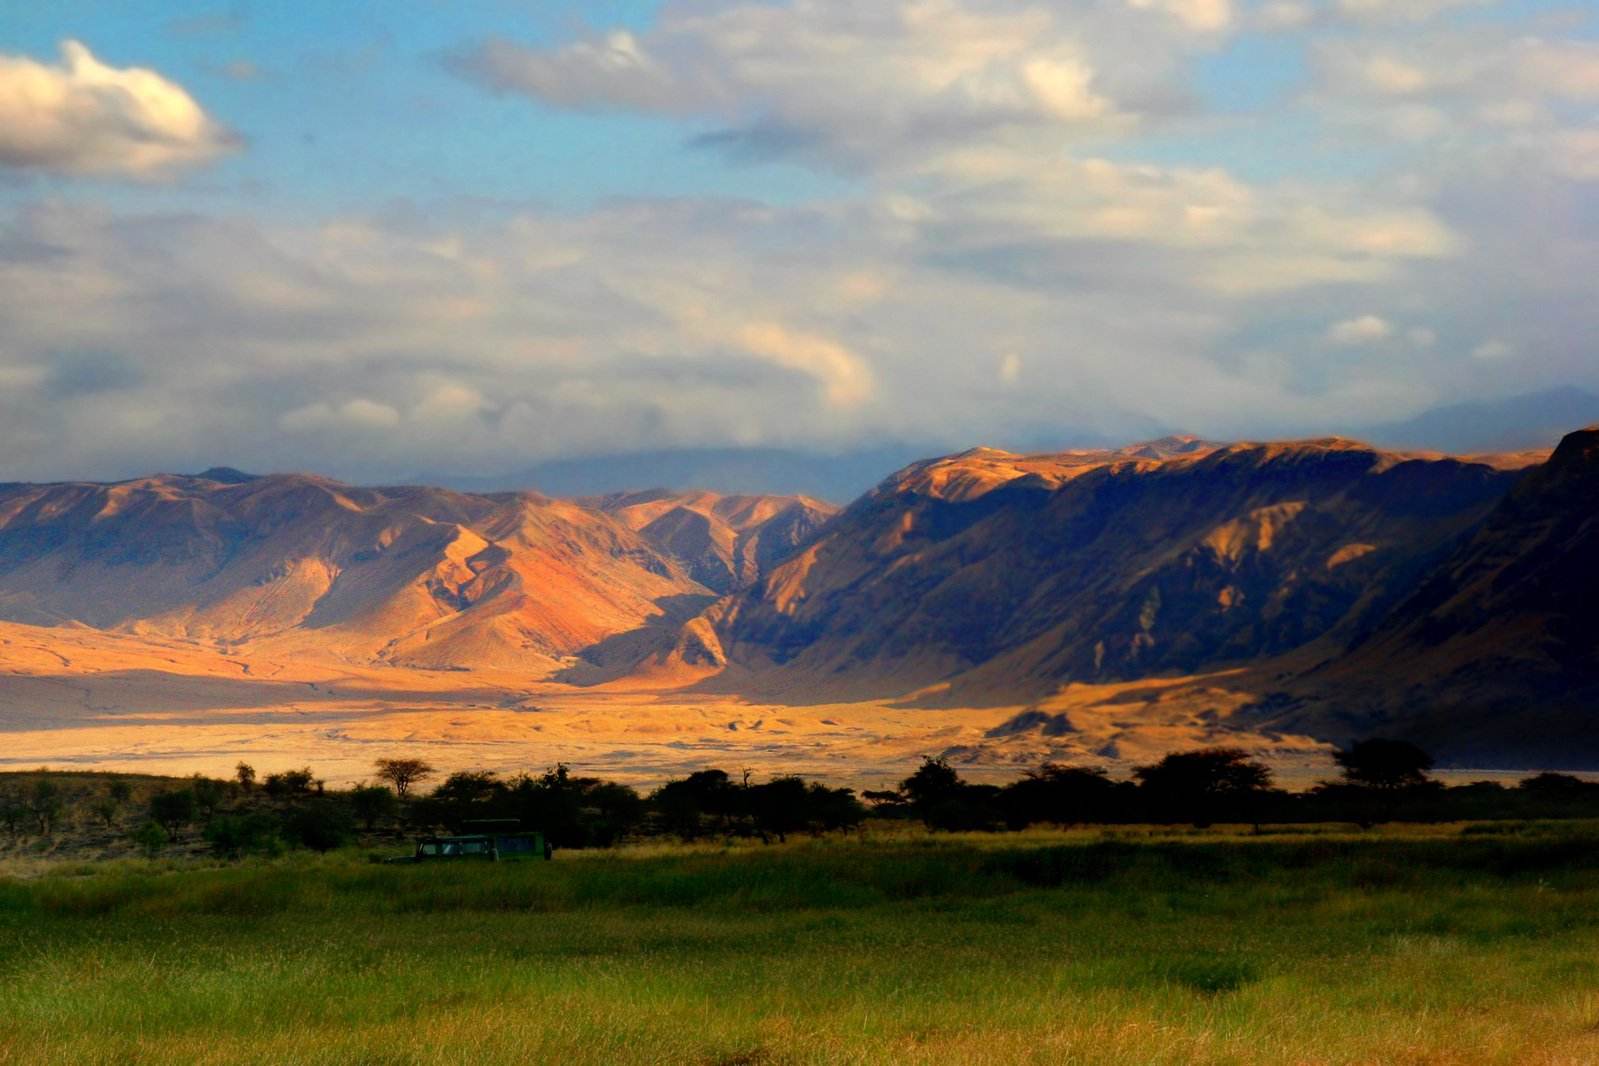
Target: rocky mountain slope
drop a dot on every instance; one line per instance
(412, 575)
(725, 542)
(1495, 653)
(1319, 588)
(990, 577)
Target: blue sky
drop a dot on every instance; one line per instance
(349, 104)
(377, 239)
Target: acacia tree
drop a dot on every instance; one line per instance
(1382, 763)
(937, 795)
(173, 810)
(403, 773)
(117, 794)
(1197, 786)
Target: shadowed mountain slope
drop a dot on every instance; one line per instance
(725, 542)
(1496, 653)
(988, 576)
(1334, 589)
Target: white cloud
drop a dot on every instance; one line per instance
(1478, 97)
(865, 85)
(449, 401)
(845, 380)
(1202, 15)
(1010, 368)
(84, 117)
(357, 414)
(1492, 349)
(1364, 329)
(997, 205)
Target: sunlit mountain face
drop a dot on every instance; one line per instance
(1326, 586)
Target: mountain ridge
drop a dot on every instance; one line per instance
(1321, 569)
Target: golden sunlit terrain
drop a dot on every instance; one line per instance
(82, 698)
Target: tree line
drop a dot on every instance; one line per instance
(1380, 780)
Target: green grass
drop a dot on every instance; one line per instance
(1426, 945)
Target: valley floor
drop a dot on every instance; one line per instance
(77, 698)
(1427, 945)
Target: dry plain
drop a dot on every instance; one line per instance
(82, 698)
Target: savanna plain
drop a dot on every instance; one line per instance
(1441, 944)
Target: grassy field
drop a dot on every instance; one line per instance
(1448, 944)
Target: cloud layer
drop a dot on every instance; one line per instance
(81, 116)
(1039, 226)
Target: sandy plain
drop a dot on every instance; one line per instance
(79, 698)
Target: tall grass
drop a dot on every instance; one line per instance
(1424, 946)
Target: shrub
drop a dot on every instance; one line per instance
(208, 794)
(289, 783)
(321, 826)
(150, 838)
(373, 804)
(14, 813)
(105, 810)
(244, 834)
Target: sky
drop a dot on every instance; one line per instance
(383, 239)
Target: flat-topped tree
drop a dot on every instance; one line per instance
(1202, 785)
(403, 773)
(1379, 762)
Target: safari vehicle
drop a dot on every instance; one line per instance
(492, 841)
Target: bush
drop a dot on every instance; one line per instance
(289, 783)
(321, 826)
(208, 794)
(150, 838)
(373, 804)
(14, 814)
(234, 835)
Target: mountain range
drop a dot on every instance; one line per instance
(1521, 421)
(1351, 589)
